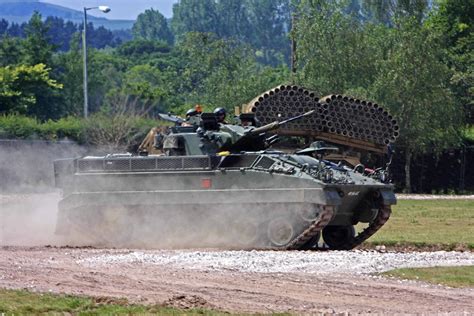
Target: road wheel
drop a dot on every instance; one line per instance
(280, 231)
(338, 237)
(310, 213)
(245, 233)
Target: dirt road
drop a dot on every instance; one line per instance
(246, 281)
(229, 284)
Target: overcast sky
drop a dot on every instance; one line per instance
(121, 9)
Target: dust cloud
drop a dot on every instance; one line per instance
(28, 219)
(29, 211)
(28, 199)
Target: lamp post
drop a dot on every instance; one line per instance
(104, 9)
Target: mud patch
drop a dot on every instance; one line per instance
(105, 300)
(187, 302)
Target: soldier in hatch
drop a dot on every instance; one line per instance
(220, 115)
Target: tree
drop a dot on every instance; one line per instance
(15, 30)
(413, 83)
(10, 51)
(453, 24)
(233, 20)
(29, 90)
(222, 72)
(336, 52)
(141, 50)
(263, 23)
(100, 37)
(60, 32)
(3, 27)
(37, 44)
(194, 16)
(386, 11)
(145, 84)
(106, 72)
(269, 22)
(68, 69)
(152, 25)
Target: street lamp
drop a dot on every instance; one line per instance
(104, 9)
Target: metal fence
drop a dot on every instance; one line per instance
(450, 172)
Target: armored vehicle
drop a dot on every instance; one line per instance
(221, 185)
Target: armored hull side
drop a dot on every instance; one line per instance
(253, 200)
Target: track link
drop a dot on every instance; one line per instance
(312, 230)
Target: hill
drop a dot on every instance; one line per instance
(20, 11)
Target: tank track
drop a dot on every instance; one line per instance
(382, 217)
(314, 229)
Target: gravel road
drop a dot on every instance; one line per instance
(355, 262)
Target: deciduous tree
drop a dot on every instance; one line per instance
(29, 90)
(152, 25)
(414, 83)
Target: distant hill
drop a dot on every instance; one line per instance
(20, 11)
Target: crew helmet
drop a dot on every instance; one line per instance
(219, 112)
(191, 112)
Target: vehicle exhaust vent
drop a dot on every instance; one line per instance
(101, 164)
(238, 161)
(196, 162)
(264, 163)
(143, 163)
(85, 165)
(117, 164)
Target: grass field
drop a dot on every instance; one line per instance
(445, 223)
(27, 303)
(450, 276)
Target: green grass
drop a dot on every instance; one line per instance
(449, 223)
(450, 276)
(24, 302)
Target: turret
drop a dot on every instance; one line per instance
(254, 138)
(211, 137)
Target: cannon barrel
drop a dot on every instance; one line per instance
(275, 125)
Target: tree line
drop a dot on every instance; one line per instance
(61, 33)
(414, 57)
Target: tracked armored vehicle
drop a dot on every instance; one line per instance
(217, 185)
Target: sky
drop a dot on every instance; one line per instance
(120, 9)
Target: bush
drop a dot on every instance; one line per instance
(120, 131)
(23, 127)
(18, 126)
(99, 130)
(69, 127)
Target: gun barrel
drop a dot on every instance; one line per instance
(276, 124)
(264, 128)
(297, 117)
(171, 118)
